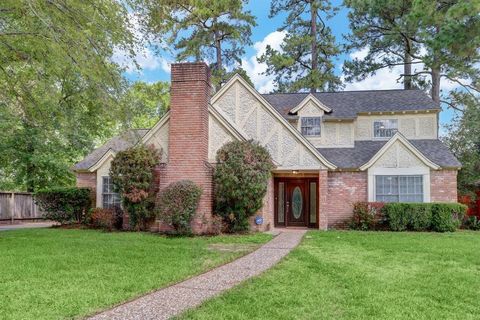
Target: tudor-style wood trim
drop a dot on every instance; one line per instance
(276, 114)
(400, 138)
(313, 99)
(230, 127)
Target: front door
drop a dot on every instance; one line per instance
(296, 202)
(295, 208)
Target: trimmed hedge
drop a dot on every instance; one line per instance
(64, 205)
(439, 217)
(177, 204)
(107, 219)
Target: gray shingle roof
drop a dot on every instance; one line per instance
(363, 151)
(117, 143)
(347, 104)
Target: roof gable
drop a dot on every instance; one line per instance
(314, 100)
(260, 121)
(398, 137)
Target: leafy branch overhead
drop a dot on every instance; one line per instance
(203, 30)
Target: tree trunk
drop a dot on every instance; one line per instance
(435, 92)
(218, 64)
(30, 169)
(313, 22)
(407, 68)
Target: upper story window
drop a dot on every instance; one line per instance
(384, 129)
(310, 126)
(110, 198)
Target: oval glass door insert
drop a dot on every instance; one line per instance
(297, 203)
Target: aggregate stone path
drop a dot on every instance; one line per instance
(173, 300)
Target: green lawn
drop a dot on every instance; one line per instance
(363, 275)
(59, 273)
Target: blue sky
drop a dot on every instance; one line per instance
(156, 68)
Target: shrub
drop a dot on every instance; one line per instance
(177, 204)
(241, 179)
(419, 216)
(366, 216)
(472, 223)
(438, 217)
(447, 217)
(108, 219)
(133, 177)
(64, 205)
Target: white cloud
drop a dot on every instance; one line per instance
(145, 58)
(389, 78)
(255, 69)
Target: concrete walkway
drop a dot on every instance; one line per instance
(26, 225)
(173, 300)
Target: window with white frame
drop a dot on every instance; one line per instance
(399, 188)
(310, 126)
(384, 129)
(110, 198)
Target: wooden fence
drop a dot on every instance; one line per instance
(18, 206)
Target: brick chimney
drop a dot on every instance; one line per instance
(188, 135)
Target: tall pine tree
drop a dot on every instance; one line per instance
(305, 58)
(215, 30)
(434, 40)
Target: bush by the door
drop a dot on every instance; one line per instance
(132, 176)
(64, 205)
(240, 182)
(177, 204)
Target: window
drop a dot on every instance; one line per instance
(310, 126)
(383, 129)
(110, 199)
(399, 188)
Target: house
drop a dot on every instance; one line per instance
(330, 149)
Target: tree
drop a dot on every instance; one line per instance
(305, 61)
(215, 30)
(382, 27)
(58, 86)
(441, 37)
(133, 177)
(241, 179)
(145, 103)
(463, 138)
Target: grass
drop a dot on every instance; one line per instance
(362, 275)
(58, 273)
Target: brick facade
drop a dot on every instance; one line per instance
(188, 136)
(443, 186)
(88, 180)
(344, 189)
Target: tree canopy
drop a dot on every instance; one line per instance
(438, 39)
(305, 59)
(214, 30)
(58, 86)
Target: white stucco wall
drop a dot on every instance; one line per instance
(412, 126)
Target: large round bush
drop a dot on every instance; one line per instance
(241, 179)
(132, 176)
(177, 204)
